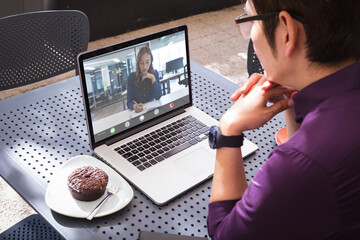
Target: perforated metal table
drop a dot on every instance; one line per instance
(41, 129)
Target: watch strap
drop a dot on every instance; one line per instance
(218, 140)
(229, 141)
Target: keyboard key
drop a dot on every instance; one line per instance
(126, 149)
(159, 158)
(147, 165)
(134, 151)
(133, 158)
(141, 168)
(127, 155)
(153, 162)
(204, 130)
(187, 138)
(143, 160)
(132, 146)
(136, 163)
(158, 146)
(191, 136)
(176, 150)
(121, 152)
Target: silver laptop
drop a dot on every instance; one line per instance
(161, 147)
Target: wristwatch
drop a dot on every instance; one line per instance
(218, 140)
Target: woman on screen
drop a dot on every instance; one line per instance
(143, 85)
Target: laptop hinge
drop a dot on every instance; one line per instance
(144, 126)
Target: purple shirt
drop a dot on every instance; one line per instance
(309, 187)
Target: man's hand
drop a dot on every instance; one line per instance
(250, 110)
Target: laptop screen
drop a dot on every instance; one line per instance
(131, 83)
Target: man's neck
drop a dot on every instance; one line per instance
(315, 72)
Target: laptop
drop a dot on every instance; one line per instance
(162, 149)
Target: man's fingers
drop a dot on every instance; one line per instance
(254, 79)
(236, 94)
(268, 85)
(279, 107)
(278, 93)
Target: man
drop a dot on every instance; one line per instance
(309, 187)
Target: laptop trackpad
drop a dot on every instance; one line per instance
(197, 163)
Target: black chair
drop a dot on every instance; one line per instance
(39, 45)
(33, 47)
(253, 63)
(31, 228)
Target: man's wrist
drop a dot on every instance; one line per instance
(228, 130)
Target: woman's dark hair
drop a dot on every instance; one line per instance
(151, 70)
(332, 27)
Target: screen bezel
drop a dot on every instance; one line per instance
(105, 50)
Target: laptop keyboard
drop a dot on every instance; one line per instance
(148, 150)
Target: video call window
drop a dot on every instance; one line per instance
(109, 78)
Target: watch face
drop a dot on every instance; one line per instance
(212, 137)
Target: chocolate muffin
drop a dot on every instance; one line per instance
(87, 183)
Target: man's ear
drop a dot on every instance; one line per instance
(290, 32)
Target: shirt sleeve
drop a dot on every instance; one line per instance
(290, 197)
(156, 86)
(130, 91)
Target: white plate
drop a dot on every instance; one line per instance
(59, 199)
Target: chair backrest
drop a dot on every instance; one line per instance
(253, 63)
(39, 45)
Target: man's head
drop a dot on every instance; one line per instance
(332, 27)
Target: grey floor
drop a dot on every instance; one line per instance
(214, 42)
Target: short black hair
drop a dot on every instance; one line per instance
(332, 27)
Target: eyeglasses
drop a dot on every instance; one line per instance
(244, 22)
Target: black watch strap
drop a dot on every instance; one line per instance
(218, 140)
(229, 141)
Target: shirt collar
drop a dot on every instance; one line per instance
(335, 84)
